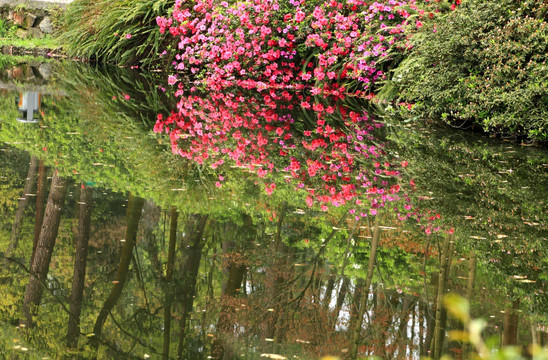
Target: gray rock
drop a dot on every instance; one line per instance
(45, 70)
(29, 20)
(46, 26)
(36, 33)
(21, 33)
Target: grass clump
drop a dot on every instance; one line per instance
(123, 32)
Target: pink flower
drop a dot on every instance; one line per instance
(172, 79)
(299, 16)
(128, 36)
(127, 97)
(318, 107)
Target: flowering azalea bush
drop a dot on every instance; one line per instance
(292, 44)
(277, 75)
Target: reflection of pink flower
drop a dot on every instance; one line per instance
(270, 188)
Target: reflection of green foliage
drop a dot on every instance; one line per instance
(491, 193)
(94, 134)
(11, 178)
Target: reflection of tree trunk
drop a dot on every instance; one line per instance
(430, 317)
(329, 290)
(340, 299)
(236, 270)
(534, 335)
(442, 284)
(422, 331)
(510, 326)
(23, 201)
(40, 197)
(404, 322)
(80, 258)
(44, 248)
(316, 284)
(191, 250)
(471, 277)
(133, 215)
(469, 292)
(356, 330)
(149, 222)
(355, 305)
(414, 314)
(379, 322)
(279, 272)
(225, 324)
(168, 285)
(344, 285)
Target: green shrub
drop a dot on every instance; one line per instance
(483, 64)
(123, 32)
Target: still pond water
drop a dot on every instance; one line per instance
(140, 253)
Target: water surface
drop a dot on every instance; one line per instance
(178, 267)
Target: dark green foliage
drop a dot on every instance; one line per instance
(123, 32)
(483, 64)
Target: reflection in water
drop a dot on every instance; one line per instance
(198, 271)
(80, 260)
(41, 258)
(29, 107)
